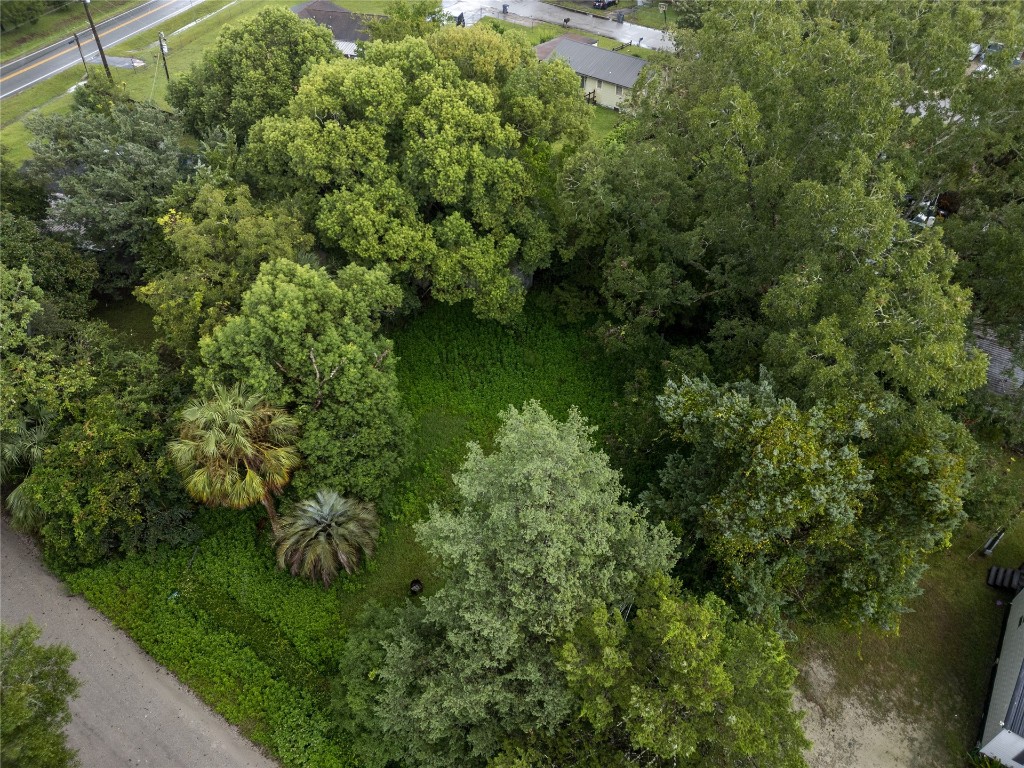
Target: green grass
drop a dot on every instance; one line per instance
(457, 373)
(602, 121)
(262, 647)
(936, 670)
(57, 25)
(650, 16)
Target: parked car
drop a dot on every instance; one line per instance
(604, 4)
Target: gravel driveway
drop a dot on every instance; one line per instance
(130, 711)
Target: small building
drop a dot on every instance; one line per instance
(1002, 737)
(606, 77)
(346, 27)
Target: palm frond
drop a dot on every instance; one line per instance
(326, 532)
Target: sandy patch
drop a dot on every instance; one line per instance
(846, 733)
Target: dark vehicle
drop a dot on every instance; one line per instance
(604, 4)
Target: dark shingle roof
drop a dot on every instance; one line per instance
(596, 62)
(344, 25)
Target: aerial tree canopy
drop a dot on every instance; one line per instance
(313, 341)
(112, 168)
(218, 238)
(250, 72)
(431, 156)
(525, 653)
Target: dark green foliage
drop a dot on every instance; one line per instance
(766, 496)
(35, 686)
(65, 274)
(678, 682)
(251, 72)
(326, 532)
(112, 167)
(457, 373)
(434, 156)
(314, 342)
(20, 193)
(539, 532)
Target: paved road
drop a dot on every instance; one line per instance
(19, 74)
(533, 10)
(130, 711)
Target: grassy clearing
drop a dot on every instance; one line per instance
(261, 646)
(936, 670)
(56, 25)
(603, 120)
(457, 373)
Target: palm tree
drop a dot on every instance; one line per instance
(21, 445)
(236, 449)
(325, 532)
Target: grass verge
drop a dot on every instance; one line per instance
(262, 647)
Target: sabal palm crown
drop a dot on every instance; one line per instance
(235, 449)
(326, 532)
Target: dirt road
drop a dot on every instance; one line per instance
(131, 711)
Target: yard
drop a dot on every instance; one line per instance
(918, 695)
(262, 646)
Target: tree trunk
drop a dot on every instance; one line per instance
(268, 504)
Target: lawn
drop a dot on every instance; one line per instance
(937, 669)
(260, 646)
(56, 25)
(602, 121)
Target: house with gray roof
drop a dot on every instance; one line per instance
(606, 77)
(1002, 736)
(346, 27)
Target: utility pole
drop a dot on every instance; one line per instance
(79, 44)
(163, 55)
(99, 45)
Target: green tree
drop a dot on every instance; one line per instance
(21, 194)
(218, 239)
(541, 532)
(314, 342)
(65, 274)
(431, 156)
(767, 498)
(321, 533)
(677, 682)
(235, 449)
(818, 514)
(693, 209)
(111, 168)
(91, 484)
(251, 72)
(407, 18)
(35, 687)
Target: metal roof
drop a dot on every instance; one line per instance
(1004, 377)
(596, 62)
(1014, 720)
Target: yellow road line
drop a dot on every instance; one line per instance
(62, 53)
